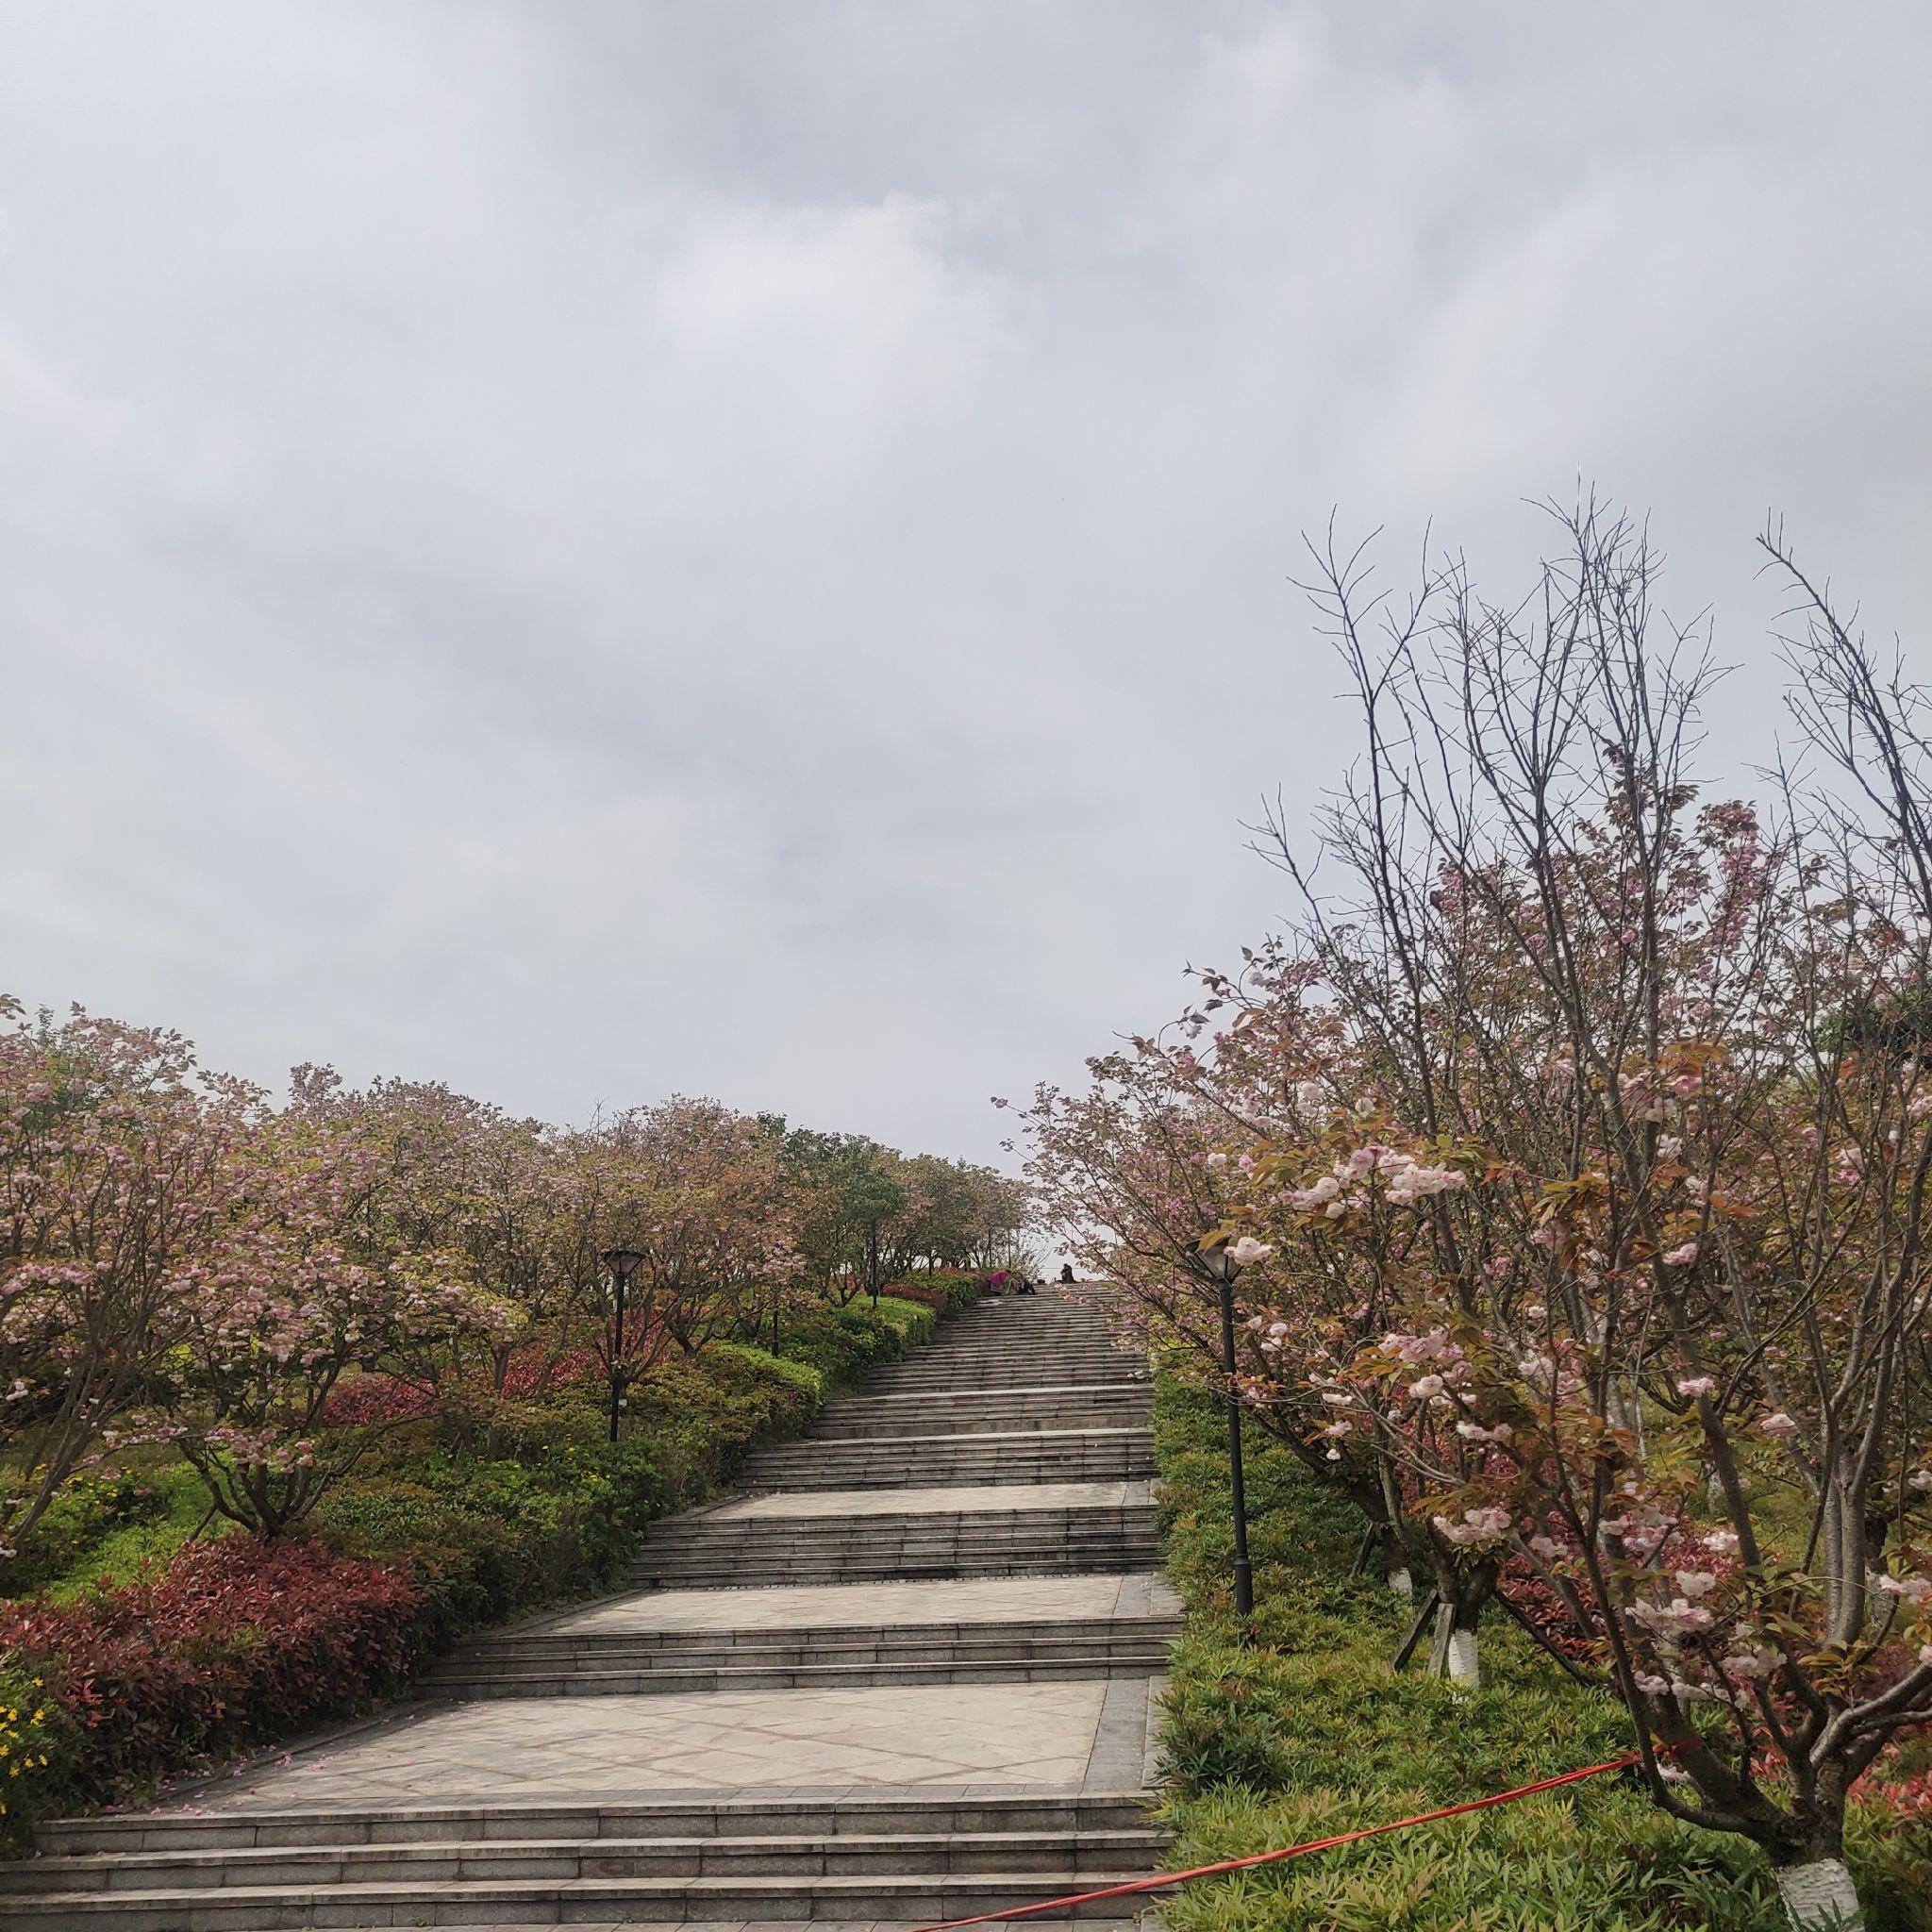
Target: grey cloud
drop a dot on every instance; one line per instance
(592, 549)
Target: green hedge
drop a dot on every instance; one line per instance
(555, 1509)
(842, 1343)
(915, 1322)
(1310, 1733)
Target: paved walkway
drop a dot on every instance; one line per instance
(953, 1716)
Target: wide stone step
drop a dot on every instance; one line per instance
(937, 1568)
(949, 1461)
(446, 1861)
(653, 1680)
(724, 1815)
(886, 1542)
(1019, 1353)
(996, 1376)
(642, 1663)
(764, 1554)
(911, 1898)
(832, 1643)
(999, 1353)
(994, 1448)
(891, 1416)
(830, 1539)
(805, 1478)
(829, 1549)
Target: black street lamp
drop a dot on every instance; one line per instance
(622, 1263)
(1220, 1268)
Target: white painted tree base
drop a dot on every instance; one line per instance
(1402, 1583)
(1820, 1897)
(1464, 1667)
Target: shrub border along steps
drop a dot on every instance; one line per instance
(229, 1645)
(902, 1856)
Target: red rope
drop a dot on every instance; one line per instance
(1162, 1880)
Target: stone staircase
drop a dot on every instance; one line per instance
(890, 1860)
(1104, 1454)
(621, 1664)
(905, 1677)
(1113, 1529)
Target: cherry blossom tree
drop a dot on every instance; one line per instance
(461, 1179)
(699, 1193)
(115, 1154)
(1597, 1227)
(294, 1290)
(1692, 1272)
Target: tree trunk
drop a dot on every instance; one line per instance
(1817, 1891)
(1453, 1654)
(1818, 1896)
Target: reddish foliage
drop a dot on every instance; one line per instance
(532, 1370)
(378, 1399)
(235, 1642)
(1545, 1611)
(1905, 1797)
(930, 1297)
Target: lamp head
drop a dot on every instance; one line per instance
(1216, 1261)
(622, 1262)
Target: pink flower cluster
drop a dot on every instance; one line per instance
(1481, 1528)
(1404, 1181)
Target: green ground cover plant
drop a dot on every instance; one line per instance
(1311, 1732)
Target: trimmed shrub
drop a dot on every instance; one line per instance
(915, 1321)
(235, 1644)
(800, 1376)
(843, 1345)
(944, 1290)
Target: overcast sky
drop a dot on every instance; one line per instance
(589, 550)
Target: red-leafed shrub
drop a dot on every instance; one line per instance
(1909, 1797)
(234, 1643)
(370, 1399)
(930, 1297)
(377, 1398)
(940, 1290)
(534, 1372)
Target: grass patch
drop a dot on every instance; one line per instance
(122, 1553)
(1310, 1733)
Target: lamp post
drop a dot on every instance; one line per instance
(622, 1263)
(1220, 1268)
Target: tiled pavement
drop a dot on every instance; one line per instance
(961, 1600)
(1043, 1736)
